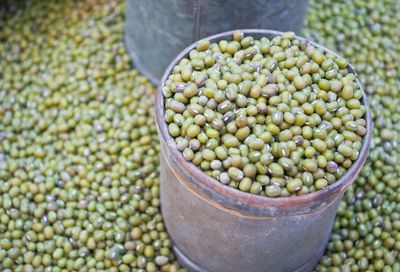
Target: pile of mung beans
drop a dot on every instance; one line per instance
(79, 149)
(79, 187)
(275, 117)
(366, 234)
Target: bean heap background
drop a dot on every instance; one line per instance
(79, 187)
(79, 149)
(366, 235)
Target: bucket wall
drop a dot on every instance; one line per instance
(209, 237)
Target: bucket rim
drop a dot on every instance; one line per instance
(235, 199)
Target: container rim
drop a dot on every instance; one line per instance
(234, 199)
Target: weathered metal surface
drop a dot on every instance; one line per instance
(156, 31)
(219, 239)
(218, 228)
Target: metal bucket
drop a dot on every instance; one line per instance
(156, 31)
(218, 228)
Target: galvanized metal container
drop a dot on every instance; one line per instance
(218, 228)
(156, 31)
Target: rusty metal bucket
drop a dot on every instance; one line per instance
(218, 228)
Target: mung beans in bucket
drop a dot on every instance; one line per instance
(271, 117)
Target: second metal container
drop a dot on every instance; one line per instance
(218, 228)
(156, 31)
